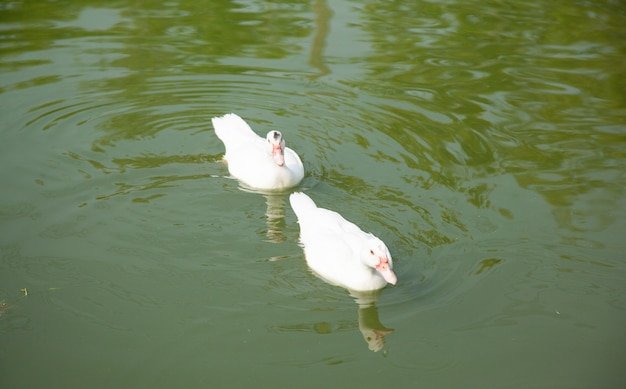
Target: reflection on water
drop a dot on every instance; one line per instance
(323, 15)
(369, 324)
(371, 328)
(275, 214)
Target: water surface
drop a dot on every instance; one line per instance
(484, 142)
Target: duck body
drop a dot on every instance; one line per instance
(257, 162)
(339, 251)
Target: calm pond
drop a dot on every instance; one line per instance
(483, 141)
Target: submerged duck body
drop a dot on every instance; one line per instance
(260, 163)
(339, 251)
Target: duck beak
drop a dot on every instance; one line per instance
(277, 153)
(385, 270)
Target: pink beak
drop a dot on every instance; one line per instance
(277, 153)
(385, 270)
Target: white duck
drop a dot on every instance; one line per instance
(339, 251)
(257, 162)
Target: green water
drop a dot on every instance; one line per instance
(483, 141)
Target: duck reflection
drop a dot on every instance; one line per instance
(275, 214)
(371, 328)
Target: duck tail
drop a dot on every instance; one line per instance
(301, 203)
(230, 128)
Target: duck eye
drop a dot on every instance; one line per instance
(371, 251)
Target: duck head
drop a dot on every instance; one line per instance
(377, 255)
(276, 147)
